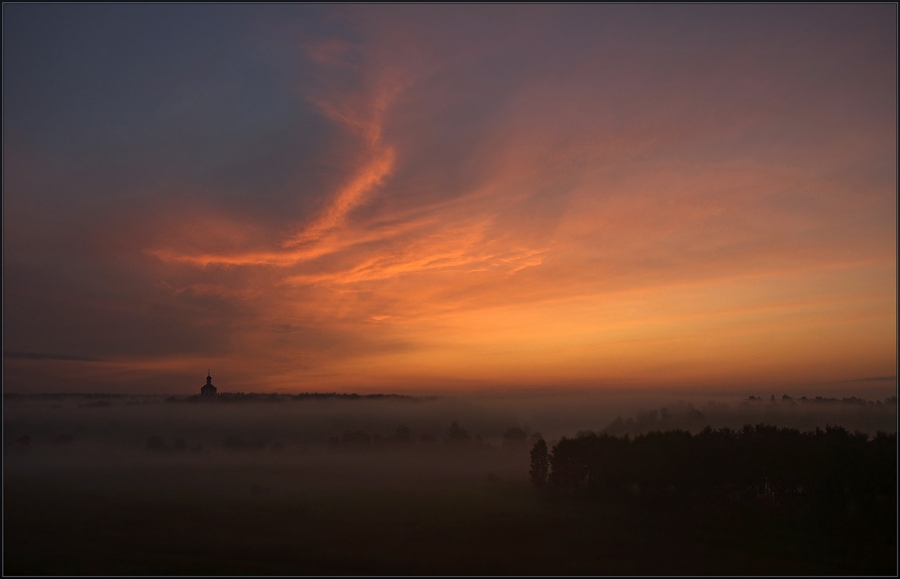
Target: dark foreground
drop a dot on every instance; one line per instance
(235, 517)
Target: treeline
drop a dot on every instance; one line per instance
(754, 465)
(255, 397)
(889, 401)
(222, 396)
(803, 413)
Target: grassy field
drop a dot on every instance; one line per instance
(86, 494)
(233, 518)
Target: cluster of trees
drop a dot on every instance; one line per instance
(890, 401)
(360, 439)
(761, 464)
(803, 413)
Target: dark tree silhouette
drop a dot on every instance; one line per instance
(515, 439)
(402, 435)
(540, 464)
(457, 434)
(755, 467)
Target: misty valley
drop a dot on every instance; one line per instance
(362, 485)
(564, 289)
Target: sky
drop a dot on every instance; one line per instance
(442, 198)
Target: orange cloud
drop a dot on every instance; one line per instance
(577, 233)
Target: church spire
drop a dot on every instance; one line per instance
(208, 389)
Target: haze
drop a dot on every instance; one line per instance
(450, 199)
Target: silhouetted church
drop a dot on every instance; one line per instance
(208, 389)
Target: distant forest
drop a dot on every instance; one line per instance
(324, 487)
(254, 397)
(802, 413)
(222, 396)
(755, 466)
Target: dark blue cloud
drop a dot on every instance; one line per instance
(120, 100)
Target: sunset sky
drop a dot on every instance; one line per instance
(442, 198)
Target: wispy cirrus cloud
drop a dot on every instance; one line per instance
(420, 196)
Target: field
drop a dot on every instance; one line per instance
(96, 506)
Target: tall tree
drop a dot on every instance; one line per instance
(540, 464)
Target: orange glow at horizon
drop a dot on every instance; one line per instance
(667, 215)
(668, 277)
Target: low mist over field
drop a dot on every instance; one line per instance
(127, 421)
(544, 289)
(396, 476)
(331, 439)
